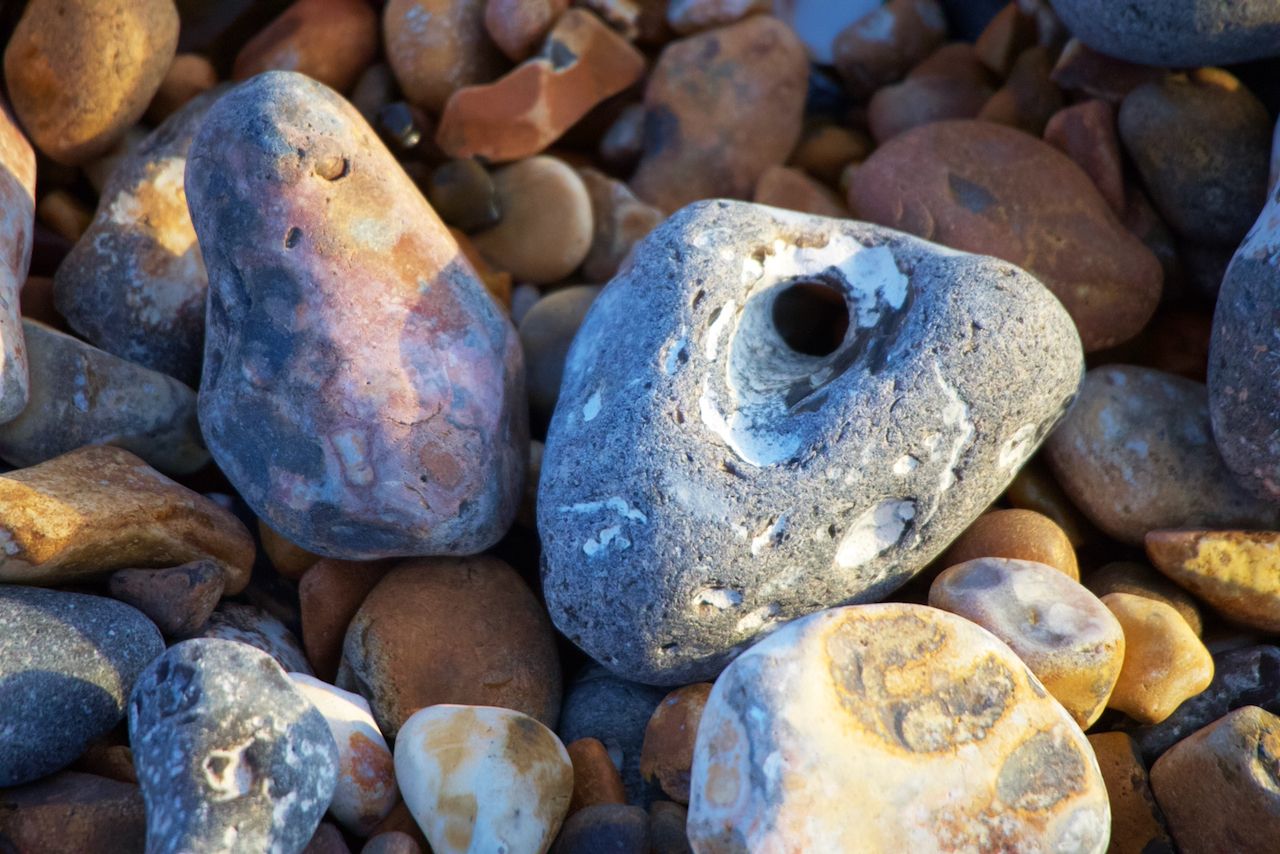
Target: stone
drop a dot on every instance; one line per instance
(64, 214)
(517, 27)
(950, 84)
(622, 143)
(819, 22)
(228, 749)
(546, 332)
(546, 229)
(1235, 572)
(667, 834)
(1201, 142)
(400, 820)
(710, 435)
(332, 41)
(705, 96)
(605, 827)
(391, 842)
(17, 199)
(1137, 824)
(67, 663)
(251, 625)
(667, 754)
(81, 395)
(928, 731)
(596, 779)
(1029, 98)
(189, 76)
(452, 630)
(329, 595)
(791, 189)
(366, 788)
(462, 192)
(1024, 535)
(1136, 454)
(1068, 638)
(826, 149)
(178, 600)
(479, 778)
(616, 712)
(1008, 34)
(1035, 488)
(100, 508)
(980, 187)
(1217, 788)
(80, 72)
(882, 46)
(1086, 132)
(691, 16)
(1164, 662)
(327, 839)
(1178, 33)
(289, 560)
(71, 813)
(582, 64)
(618, 222)
(135, 285)
(1141, 580)
(498, 283)
(436, 47)
(1095, 75)
(321, 429)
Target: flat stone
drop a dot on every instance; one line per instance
(71, 812)
(1235, 572)
(595, 778)
(1023, 535)
(178, 599)
(1164, 662)
(605, 827)
(436, 47)
(332, 41)
(329, 595)
(1137, 824)
(249, 624)
(667, 754)
(1141, 580)
(18, 200)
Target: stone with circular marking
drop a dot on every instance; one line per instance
(741, 480)
(1235, 572)
(1020, 534)
(1164, 662)
(927, 730)
(667, 754)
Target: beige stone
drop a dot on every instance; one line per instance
(1123, 576)
(1164, 662)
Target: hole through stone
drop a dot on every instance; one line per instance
(811, 318)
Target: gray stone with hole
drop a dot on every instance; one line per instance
(704, 481)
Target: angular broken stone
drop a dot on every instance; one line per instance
(729, 480)
(18, 201)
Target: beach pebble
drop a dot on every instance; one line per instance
(17, 199)
(951, 84)
(546, 332)
(793, 190)
(329, 595)
(1137, 824)
(1235, 572)
(882, 46)
(70, 812)
(189, 75)
(1141, 580)
(249, 624)
(391, 842)
(1086, 132)
(517, 27)
(667, 828)
(615, 828)
(288, 559)
(819, 22)
(1164, 662)
(1028, 98)
(1024, 535)
(436, 47)
(332, 41)
(667, 754)
(618, 222)
(616, 712)
(595, 778)
(462, 192)
(178, 599)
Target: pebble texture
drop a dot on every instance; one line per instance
(1137, 825)
(1164, 662)
(230, 755)
(251, 625)
(1236, 572)
(67, 663)
(69, 813)
(18, 201)
(178, 599)
(928, 731)
(350, 445)
(747, 483)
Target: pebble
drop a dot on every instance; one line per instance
(905, 716)
(67, 663)
(1202, 143)
(80, 72)
(64, 214)
(436, 47)
(618, 222)
(329, 595)
(680, 385)
(826, 149)
(667, 833)
(81, 395)
(462, 192)
(17, 199)
(704, 100)
(1164, 662)
(498, 283)
(546, 227)
(327, 839)
(189, 75)
(882, 46)
(289, 560)
(479, 778)
(950, 84)
(251, 625)
(667, 754)
(228, 751)
(819, 22)
(1086, 132)
(1004, 39)
(1141, 580)
(332, 41)
(979, 187)
(792, 189)
(401, 821)
(100, 508)
(1028, 98)
(366, 788)
(613, 828)
(1235, 572)
(622, 143)
(546, 331)
(1087, 73)
(595, 778)
(451, 630)
(324, 434)
(179, 600)
(1137, 824)
(1136, 454)
(70, 813)
(1218, 787)
(517, 27)
(1024, 535)
(391, 842)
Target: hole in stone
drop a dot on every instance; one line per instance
(811, 318)
(291, 239)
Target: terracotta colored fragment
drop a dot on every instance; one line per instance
(290, 560)
(1137, 824)
(72, 812)
(595, 778)
(1020, 534)
(882, 46)
(667, 754)
(1164, 662)
(329, 595)
(332, 41)
(1141, 580)
(1096, 75)
(1004, 39)
(436, 47)
(619, 220)
(17, 199)
(1028, 98)
(1235, 572)
(189, 75)
(784, 187)
(517, 27)
(1086, 133)
(178, 600)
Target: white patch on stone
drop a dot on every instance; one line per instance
(766, 538)
(227, 775)
(874, 532)
(8, 543)
(591, 408)
(955, 415)
(759, 618)
(905, 465)
(601, 541)
(752, 447)
(352, 450)
(720, 598)
(711, 341)
(615, 504)
(1018, 447)
(672, 362)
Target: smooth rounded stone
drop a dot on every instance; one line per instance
(479, 778)
(928, 731)
(436, 47)
(667, 833)
(1035, 488)
(100, 508)
(612, 828)
(327, 839)
(1086, 132)
(1005, 37)
(67, 663)
(826, 149)
(1087, 73)
(81, 72)
(81, 395)
(746, 483)
(819, 22)
(1174, 32)
(366, 788)
(667, 754)
(1029, 98)
(1218, 787)
(70, 813)
(249, 624)
(391, 842)
(598, 704)
(1141, 580)
(618, 221)
(451, 630)
(1164, 662)
(17, 199)
(329, 595)
(1068, 638)
(462, 192)
(791, 189)
(189, 75)
(1235, 572)
(596, 779)
(63, 214)
(879, 48)
(705, 100)
(321, 428)
(228, 751)
(517, 27)
(288, 559)
(332, 41)
(980, 187)
(1024, 535)
(178, 600)
(1136, 454)
(546, 332)
(950, 84)
(1137, 825)
(1201, 142)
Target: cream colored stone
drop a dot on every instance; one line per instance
(1164, 662)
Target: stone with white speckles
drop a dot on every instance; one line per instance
(929, 733)
(229, 754)
(727, 482)
(254, 626)
(361, 390)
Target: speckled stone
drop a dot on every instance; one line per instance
(478, 778)
(17, 199)
(1019, 534)
(1164, 662)
(929, 733)
(1141, 580)
(67, 663)
(252, 625)
(736, 483)
(178, 599)
(667, 754)
(70, 813)
(321, 428)
(229, 753)
(613, 828)
(1235, 572)
(1137, 825)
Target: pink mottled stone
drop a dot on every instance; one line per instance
(17, 202)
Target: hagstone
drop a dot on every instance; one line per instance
(728, 482)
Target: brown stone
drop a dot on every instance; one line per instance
(826, 149)
(401, 821)
(984, 188)
(1020, 534)
(327, 840)
(1164, 662)
(619, 220)
(596, 779)
(791, 189)
(462, 192)
(1097, 75)
(178, 600)
(64, 214)
(189, 75)
(100, 508)
(691, 16)
(332, 41)
(1086, 133)
(517, 27)
(1034, 488)
(1235, 572)
(667, 754)
(1141, 580)
(1028, 98)
(582, 63)
(883, 45)
(705, 133)
(329, 595)
(436, 47)
(72, 813)
(290, 560)
(113, 761)
(950, 84)
(1137, 826)
(1005, 38)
